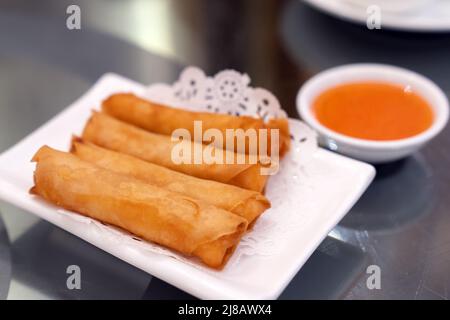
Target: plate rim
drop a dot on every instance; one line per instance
(390, 24)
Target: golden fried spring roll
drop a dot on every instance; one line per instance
(189, 226)
(162, 119)
(116, 135)
(243, 202)
(282, 125)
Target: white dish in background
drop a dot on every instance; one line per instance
(367, 150)
(319, 195)
(422, 16)
(396, 6)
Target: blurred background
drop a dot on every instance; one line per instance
(402, 223)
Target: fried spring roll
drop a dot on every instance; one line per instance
(162, 119)
(110, 133)
(189, 226)
(245, 203)
(282, 125)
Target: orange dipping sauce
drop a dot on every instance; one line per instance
(373, 111)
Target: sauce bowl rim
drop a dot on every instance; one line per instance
(440, 109)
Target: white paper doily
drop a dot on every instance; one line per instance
(227, 92)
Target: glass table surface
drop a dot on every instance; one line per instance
(401, 224)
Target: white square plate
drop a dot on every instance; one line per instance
(328, 190)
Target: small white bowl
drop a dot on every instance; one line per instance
(370, 150)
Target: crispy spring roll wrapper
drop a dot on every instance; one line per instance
(282, 125)
(110, 133)
(163, 119)
(245, 203)
(189, 226)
